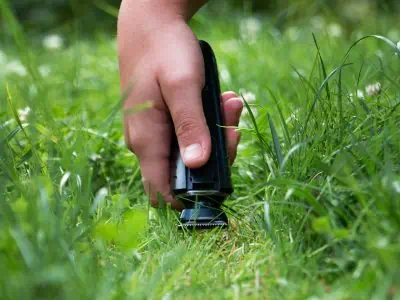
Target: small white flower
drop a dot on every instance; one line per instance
(248, 96)
(317, 22)
(335, 30)
(398, 45)
(44, 70)
(293, 33)
(53, 42)
(360, 94)
(102, 193)
(24, 113)
(249, 28)
(95, 157)
(244, 123)
(396, 186)
(16, 67)
(225, 75)
(373, 89)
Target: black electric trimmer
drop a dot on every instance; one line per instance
(203, 190)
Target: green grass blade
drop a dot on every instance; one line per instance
(275, 141)
(324, 73)
(282, 119)
(318, 95)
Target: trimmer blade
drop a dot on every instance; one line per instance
(203, 217)
(211, 225)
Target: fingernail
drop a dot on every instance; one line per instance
(192, 153)
(236, 102)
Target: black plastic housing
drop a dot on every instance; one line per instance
(203, 190)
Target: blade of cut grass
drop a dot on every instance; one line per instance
(318, 95)
(327, 89)
(304, 80)
(340, 104)
(283, 122)
(275, 141)
(259, 136)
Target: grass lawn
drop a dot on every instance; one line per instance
(316, 210)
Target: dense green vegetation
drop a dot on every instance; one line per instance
(315, 212)
(44, 15)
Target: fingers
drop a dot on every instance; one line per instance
(149, 137)
(155, 177)
(225, 96)
(232, 107)
(190, 126)
(148, 134)
(181, 84)
(233, 140)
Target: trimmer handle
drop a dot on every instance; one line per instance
(209, 185)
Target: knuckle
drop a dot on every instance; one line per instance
(180, 79)
(137, 142)
(187, 126)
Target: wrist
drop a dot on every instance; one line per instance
(163, 9)
(141, 22)
(140, 18)
(186, 8)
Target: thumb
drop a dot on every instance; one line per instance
(183, 98)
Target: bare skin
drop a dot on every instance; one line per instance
(161, 63)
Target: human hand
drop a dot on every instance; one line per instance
(161, 62)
